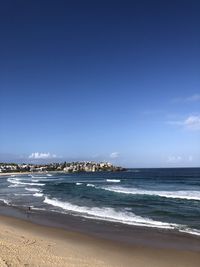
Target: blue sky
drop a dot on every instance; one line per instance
(100, 80)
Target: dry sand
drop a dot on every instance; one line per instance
(25, 244)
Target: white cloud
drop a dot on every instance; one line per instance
(190, 123)
(174, 159)
(38, 155)
(192, 98)
(114, 155)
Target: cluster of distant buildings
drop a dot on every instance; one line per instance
(13, 167)
(87, 166)
(90, 167)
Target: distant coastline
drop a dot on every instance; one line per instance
(65, 167)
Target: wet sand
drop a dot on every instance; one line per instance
(23, 243)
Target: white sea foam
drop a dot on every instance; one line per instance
(19, 182)
(113, 180)
(32, 189)
(91, 185)
(34, 208)
(181, 194)
(38, 195)
(190, 231)
(14, 185)
(109, 214)
(48, 174)
(79, 183)
(37, 176)
(5, 201)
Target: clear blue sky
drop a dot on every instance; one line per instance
(100, 80)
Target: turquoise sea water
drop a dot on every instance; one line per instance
(158, 198)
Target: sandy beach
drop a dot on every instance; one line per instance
(25, 244)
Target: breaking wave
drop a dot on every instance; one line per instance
(181, 194)
(38, 195)
(17, 181)
(125, 217)
(32, 189)
(109, 214)
(113, 180)
(91, 185)
(5, 201)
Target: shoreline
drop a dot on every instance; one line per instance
(110, 231)
(24, 243)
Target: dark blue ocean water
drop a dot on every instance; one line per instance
(158, 198)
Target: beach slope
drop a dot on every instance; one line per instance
(25, 244)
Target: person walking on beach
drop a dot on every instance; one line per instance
(28, 211)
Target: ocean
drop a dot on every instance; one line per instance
(150, 198)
